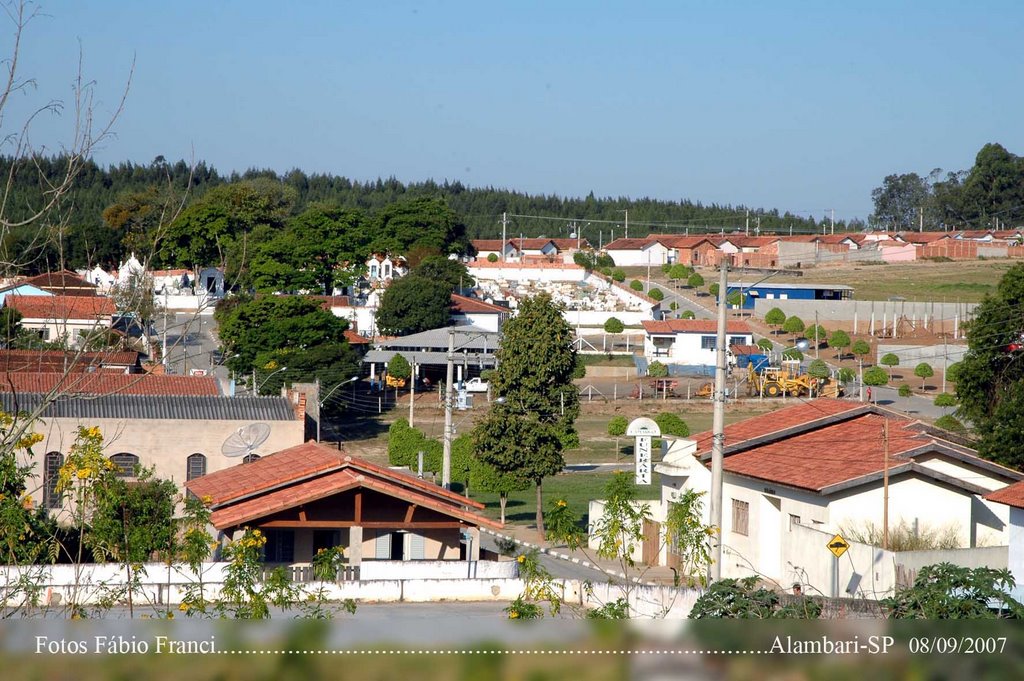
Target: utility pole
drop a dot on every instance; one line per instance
(816, 341)
(718, 428)
(920, 219)
(885, 485)
(626, 211)
(748, 223)
(504, 224)
(833, 225)
(412, 392)
(446, 452)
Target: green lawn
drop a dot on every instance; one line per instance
(578, 489)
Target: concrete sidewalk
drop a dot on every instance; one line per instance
(530, 538)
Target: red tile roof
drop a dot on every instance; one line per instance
(823, 442)
(570, 244)
(677, 241)
(467, 305)
(105, 383)
(62, 307)
(311, 471)
(630, 244)
(64, 281)
(1012, 495)
(531, 244)
(923, 237)
(57, 361)
(484, 245)
(693, 326)
(354, 338)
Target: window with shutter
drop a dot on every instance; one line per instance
(416, 547)
(383, 546)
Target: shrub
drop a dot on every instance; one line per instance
(580, 368)
(666, 268)
(765, 345)
(679, 271)
(614, 325)
(688, 314)
(876, 376)
(657, 370)
(604, 261)
(904, 537)
(775, 317)
(818, 369)
(399, 367)
(953, 372)
(945, 400)
(671, 424)
(656, 293)
(619, 275)
(617, 426)
(695, 280)
(713, 289)
(793, 325)
(744, 599)
(950, 423)
(792, 353)
(846, 375)
(860, 348)
(839, 340)
(904, 390)
(492, 257)
(924, 371)
(673, 306)
(636, 285)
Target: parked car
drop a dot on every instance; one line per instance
(477, 385)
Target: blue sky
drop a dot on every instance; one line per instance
(796, 106)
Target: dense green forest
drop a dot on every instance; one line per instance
(129, 207)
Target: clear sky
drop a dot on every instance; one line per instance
(797, 106)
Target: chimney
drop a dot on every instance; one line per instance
(298, 401)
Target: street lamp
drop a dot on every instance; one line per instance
(321, 402)
(256, 387)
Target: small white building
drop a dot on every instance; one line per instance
(690, 341)
(497, 248)
(1013, 497)
(468, 311)
(63, 318)
(639, 252)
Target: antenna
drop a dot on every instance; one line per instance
(245, 440)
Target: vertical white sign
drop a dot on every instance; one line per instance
(642, 451)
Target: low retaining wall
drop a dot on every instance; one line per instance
(55, 586)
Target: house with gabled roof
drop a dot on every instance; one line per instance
(467, 311)
(836, 466)
(637, 252)
(310, 497)
(63, 283)
(57, 318)
(690, 341)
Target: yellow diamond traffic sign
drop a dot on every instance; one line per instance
(837, 545)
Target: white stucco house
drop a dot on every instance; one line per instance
(57, 318)
(468, 311)
(1013, 497)
(690, 341)
(639, 252)
(822, 464)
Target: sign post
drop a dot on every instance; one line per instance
(642, 430)
(838, 546)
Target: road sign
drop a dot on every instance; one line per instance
(837, 545)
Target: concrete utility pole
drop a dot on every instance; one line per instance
(626, 211)
(833, 225)
(718, 428)
(446, 452)
(504, 225)
(748, 223)
(412, 391)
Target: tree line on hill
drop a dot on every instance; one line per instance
(179, 215)
(989, 195)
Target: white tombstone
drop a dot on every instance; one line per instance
(642, 430)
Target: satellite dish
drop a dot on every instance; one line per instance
(245, 440)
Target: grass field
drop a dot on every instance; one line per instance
(577, 489)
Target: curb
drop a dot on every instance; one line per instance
(568, 558)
